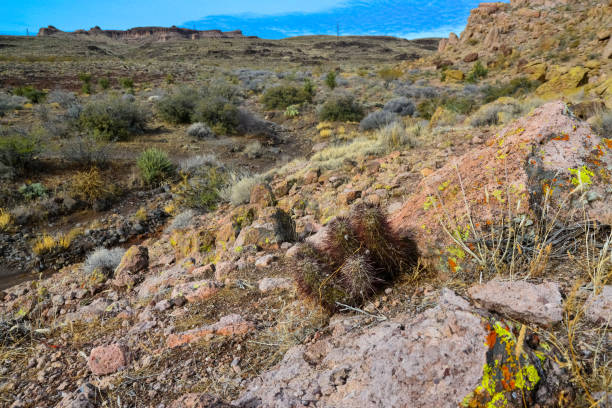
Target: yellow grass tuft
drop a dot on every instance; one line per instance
(5, 220)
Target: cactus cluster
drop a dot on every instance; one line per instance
(359, 255)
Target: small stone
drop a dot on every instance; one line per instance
(265, 261)
(270, 284)
(108, 359)
(599, 306)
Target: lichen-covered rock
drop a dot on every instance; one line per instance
(560, 81)
(549, 153)
(447, 356)
(272, 228)
(134, 261)
(454, 75)
(541, 304)
(262, 196)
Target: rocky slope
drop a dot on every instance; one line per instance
(212, 307)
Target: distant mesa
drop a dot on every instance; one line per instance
(147, 33)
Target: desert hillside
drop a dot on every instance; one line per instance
(203, 219)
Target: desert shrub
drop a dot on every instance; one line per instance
(282, 96)
(103, 261)
(113, 119)
(86, 150)
(358, 255)
(602, 123)
(377, 120)
(193, 164)
(488, 115)
(87, 87)
(417, 92)
(33, 94)
(253, 149)
(389, 74)
(396, 136)
(224, 90)
(179, 106)
(203, 191)
(402, 106)
(516, 87)
(90, 186)
(154, 166)
(218, 113)
(426, 109)
(18, 150)
(10, 102)
(342, 109)
(462, 105)
(292, 111)
(127, 84)
(330, 80)
(33, 191)
(240, 189)
(56, 125)
(104, 83)
(477, 72)
(181, 221)
(200, 130)
(64, 98)
(254, 125)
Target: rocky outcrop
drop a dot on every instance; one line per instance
(446, 357)
(549, 152)
(158, 34)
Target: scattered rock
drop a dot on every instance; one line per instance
(198, 400)
(265, 261)
(471, 57)
(541, 304)
(270, 284)
(108, 359)
(229, 325)
(135, 261)
(197, 291)
(599, 307)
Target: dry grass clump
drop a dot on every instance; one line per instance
(48, 243)
(90, 186)
(5, 220)
(359, 254)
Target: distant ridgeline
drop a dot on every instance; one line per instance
(142, 33)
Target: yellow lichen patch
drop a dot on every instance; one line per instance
(507, 370)
(5, 220)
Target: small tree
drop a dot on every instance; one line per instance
(330, 80)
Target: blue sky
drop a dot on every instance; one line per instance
(264, 18)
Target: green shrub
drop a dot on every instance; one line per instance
(86, 88)
(33, 191)
(179, 106)
(426, 108)
(341, 109)
(292, 111)
(516, 87)
(104, 83)
(113, 118)
(18, 150)
(33, 94)
(217, 113)
(281, 97)
(478, 72)
(127, 83)
(330, 80)
(154, 166)
(203, 191)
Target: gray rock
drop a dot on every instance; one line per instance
(599, 306)
(270, 284)
(521, 300)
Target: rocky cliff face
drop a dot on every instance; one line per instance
(147, 33)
